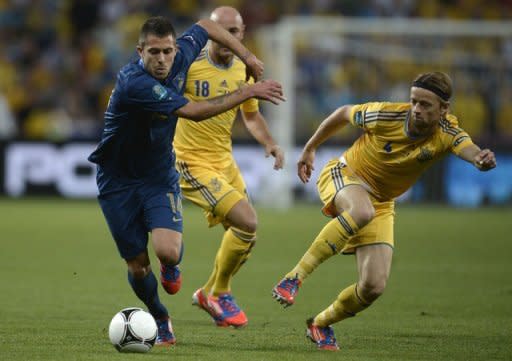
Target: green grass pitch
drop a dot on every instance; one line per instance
(449, 296)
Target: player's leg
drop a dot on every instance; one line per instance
(168, 247)
(218, 193)
(373, 263)
(145, 286)
(236, 244)
(350, 205)
(124, 215)
(353, 211)
(374, 251)
(240, 220)
(234, 250)
(163, 217)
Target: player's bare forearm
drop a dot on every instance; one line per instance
(222, 36)
(483, 160)
(334, 122)
(205, 109)
(269, 90)
(257, 126)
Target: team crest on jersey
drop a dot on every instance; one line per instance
(358, 118)
(425, 155)
(215, 185)
(159, 92)
(223, 88)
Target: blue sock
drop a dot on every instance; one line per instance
(146, 290)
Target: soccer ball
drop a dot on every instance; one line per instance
(132, 330)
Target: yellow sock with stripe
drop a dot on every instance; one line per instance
(330, 241)
(211, 280)
(246, 256)
(232, 252)
(347, 304)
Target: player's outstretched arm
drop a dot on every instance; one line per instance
(222, 36)
(257, 126)
(483, 160)
(334, 122)
(337, 120)
(268, 90)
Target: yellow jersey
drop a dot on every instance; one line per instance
(387, 158)
(209, 141)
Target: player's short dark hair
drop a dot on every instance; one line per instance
(438, 82)
(156, 25)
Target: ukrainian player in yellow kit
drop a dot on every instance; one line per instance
(399, 142)
(210, 177)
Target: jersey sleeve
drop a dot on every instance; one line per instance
(364, 115)
(251, 105)
(457, 137)
(152, 96)
(379, 116)
(190, 44)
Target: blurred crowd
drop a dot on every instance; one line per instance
(381, 67)
(60, 59)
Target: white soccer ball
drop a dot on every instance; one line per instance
(133, 330)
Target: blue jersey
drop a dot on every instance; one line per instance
(136, 143)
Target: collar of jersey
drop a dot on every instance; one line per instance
(218, 66)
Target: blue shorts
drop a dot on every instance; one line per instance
(134, 211)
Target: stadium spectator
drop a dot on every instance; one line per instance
(138, 183)
(210, 177)
(85, 42)
(399, 142)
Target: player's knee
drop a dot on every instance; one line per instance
(138, 271)
(362, 215)
(139, 266)
(243, 216)
(372, 289)
(249, 223)
(171, 255)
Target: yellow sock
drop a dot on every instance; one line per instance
(244, 259)
(233, 250)
(211, 280)
(330, 241)
(347, 304)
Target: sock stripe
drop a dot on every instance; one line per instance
(345, 225)
(360, 299)
(349, 314)
(333, 247)
(244, 236)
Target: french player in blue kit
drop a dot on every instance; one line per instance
(138, 184)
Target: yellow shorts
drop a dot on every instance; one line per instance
(214, 191)
(334, 177)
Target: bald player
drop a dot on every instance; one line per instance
(210, 177)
